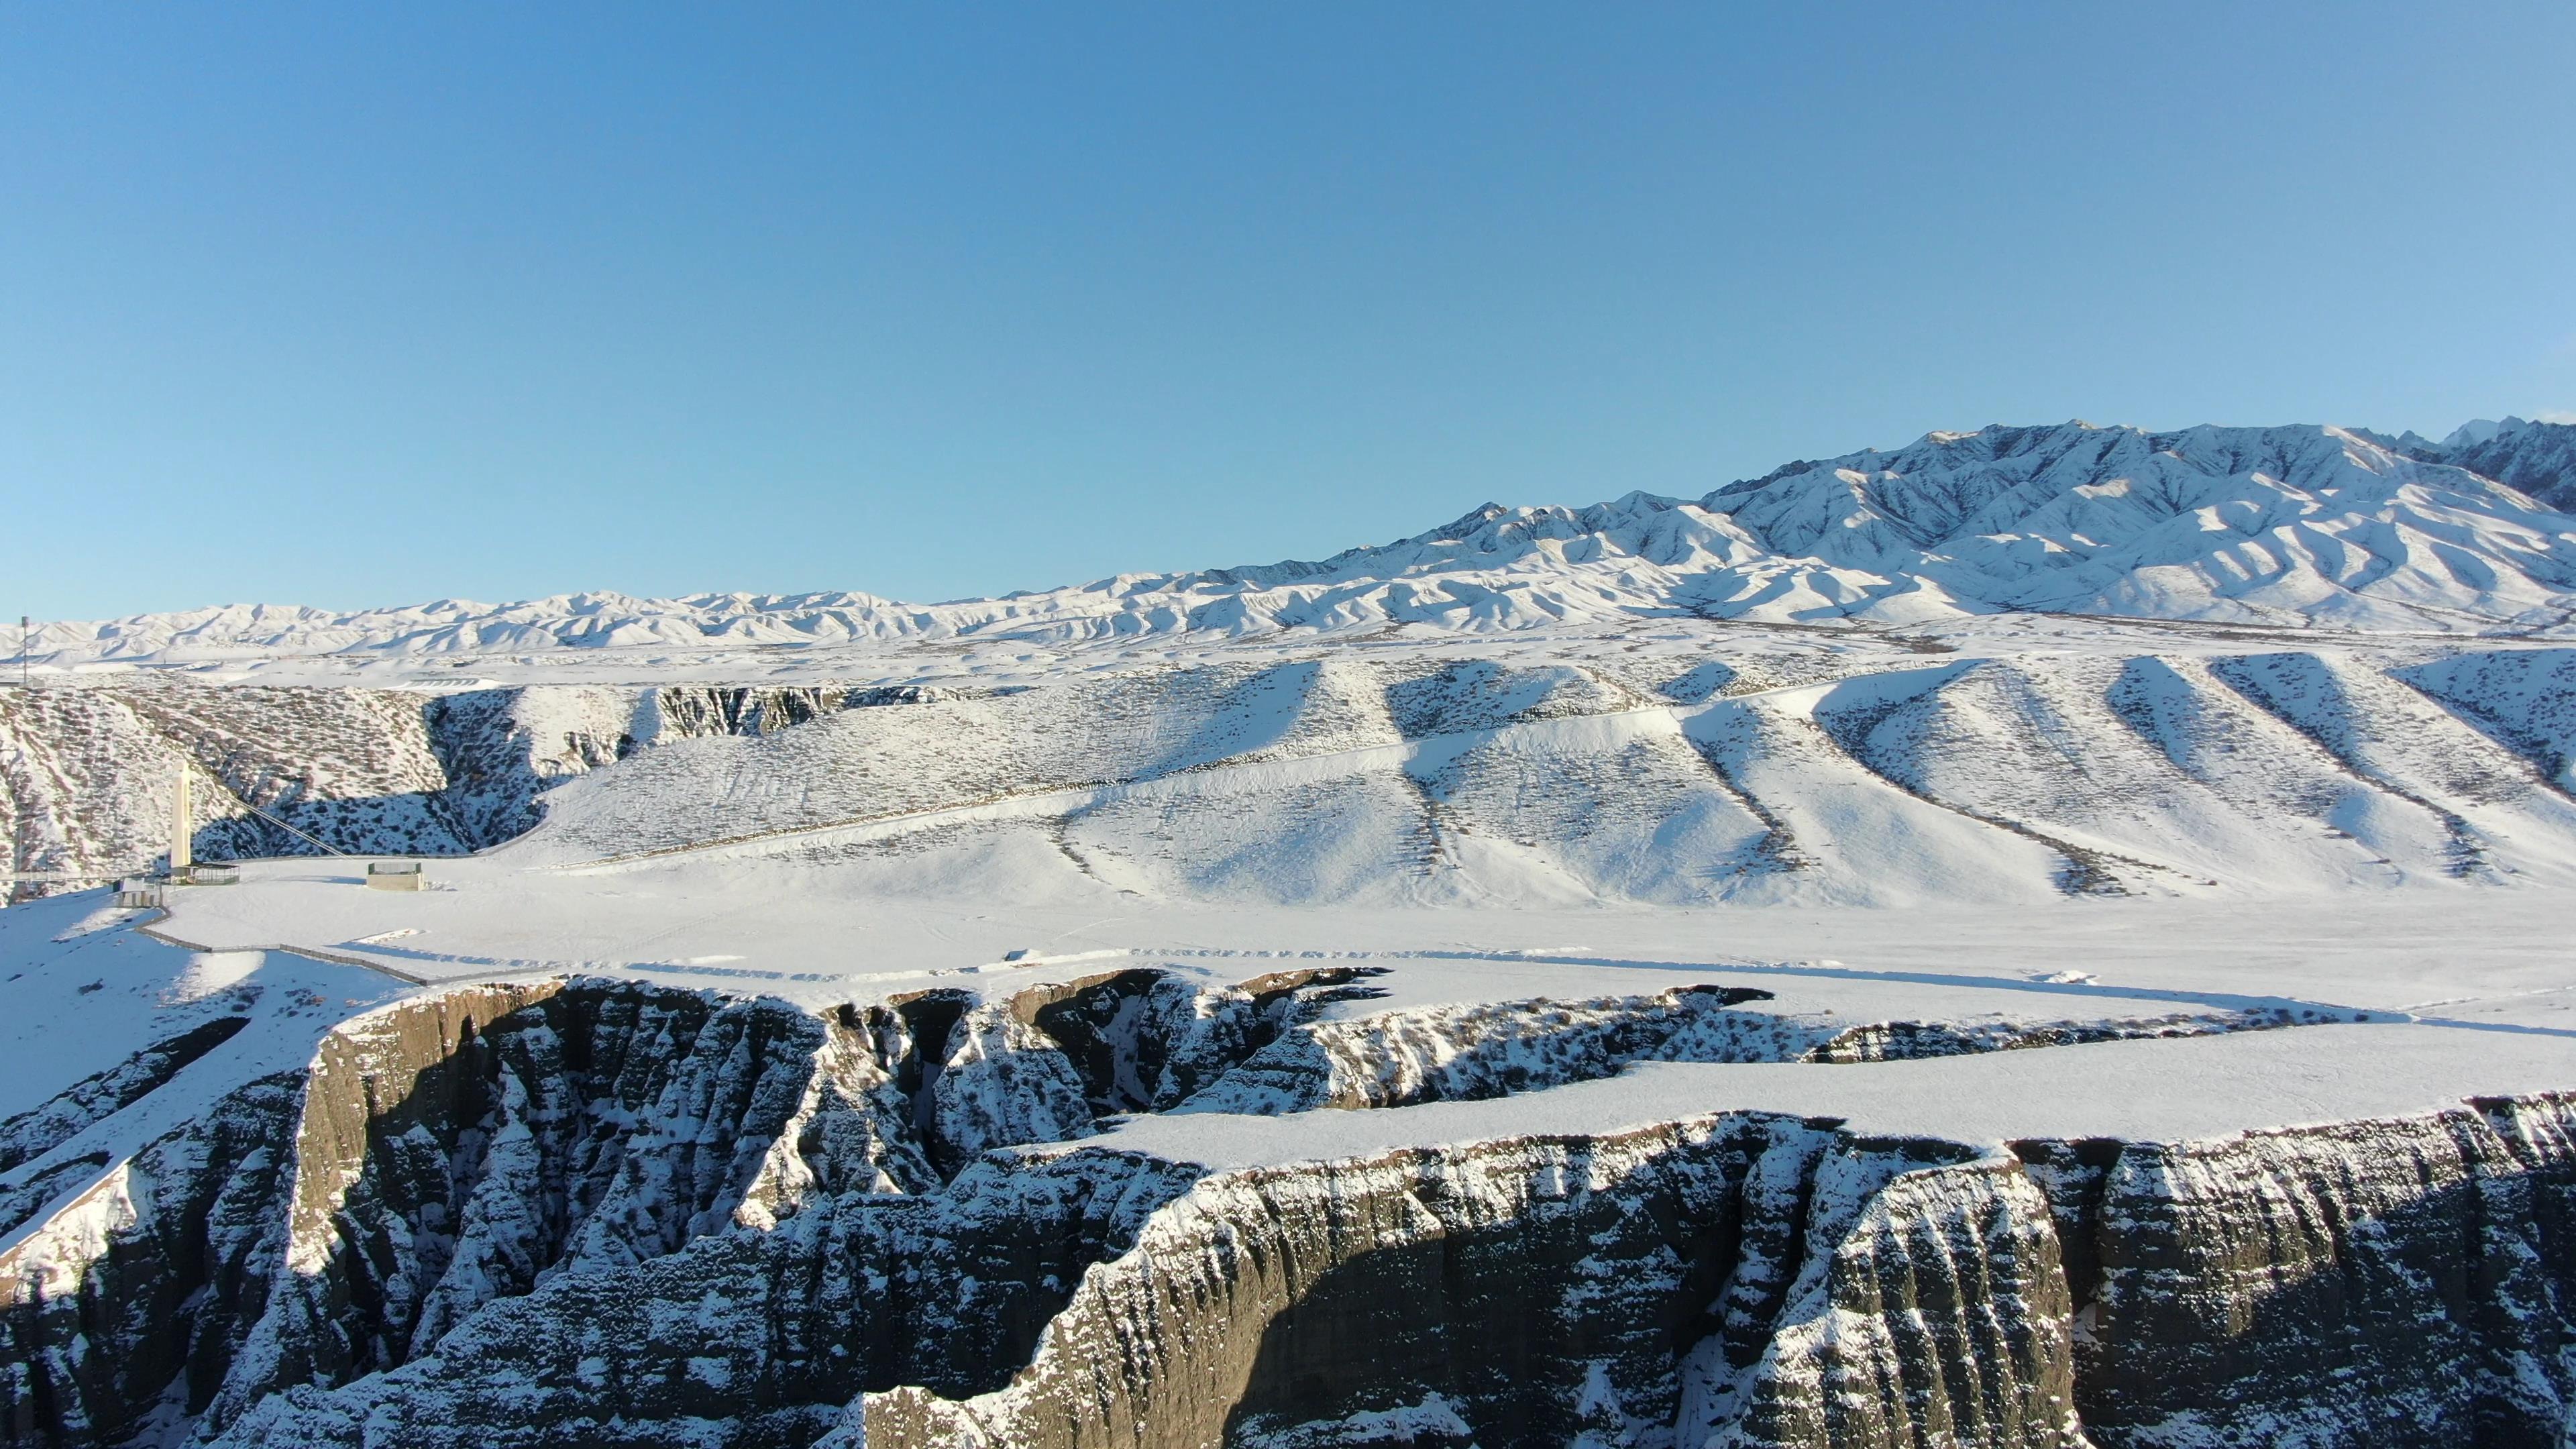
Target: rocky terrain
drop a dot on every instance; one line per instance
(2041, 937)
(91, 772)
(576, 1212)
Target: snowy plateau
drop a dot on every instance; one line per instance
(2044, 936)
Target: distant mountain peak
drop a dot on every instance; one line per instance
(2536, 457)
(2307, 525)
(2481, 430)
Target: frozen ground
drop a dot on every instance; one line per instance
(787, 930)
(1548, 825)
(2010, 819)
(2457, 1010)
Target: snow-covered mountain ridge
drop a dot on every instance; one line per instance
(2302, 525)
(1153, 1015)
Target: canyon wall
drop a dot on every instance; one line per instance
(570, 1213)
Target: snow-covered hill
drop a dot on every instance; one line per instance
(1189, 1010)
(2288, 525)
(1688, 775)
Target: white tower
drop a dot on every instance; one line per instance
(180, 859)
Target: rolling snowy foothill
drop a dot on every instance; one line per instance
(2041, 936)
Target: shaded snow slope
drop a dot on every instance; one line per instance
(2281, 525)
(2538, 458)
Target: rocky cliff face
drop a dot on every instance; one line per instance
(89, 772)
(1651, 1287)
(570, 1213)
(2383, 1282)
(436, 1157)
(1741, 1281)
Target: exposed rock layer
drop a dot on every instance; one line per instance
(572, 1213)
(89, 773)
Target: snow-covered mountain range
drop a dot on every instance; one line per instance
(1752, 972)
(2303, 525)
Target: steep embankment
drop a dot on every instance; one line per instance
(90, 772)
(557, 1213)
(1741, 1281)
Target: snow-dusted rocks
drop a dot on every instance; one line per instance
(1173, 1204)
(1382, 1001)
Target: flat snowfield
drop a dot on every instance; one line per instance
(2052, 825)
(2398, 1009)
(802, 932)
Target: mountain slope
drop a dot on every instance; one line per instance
(2284, 526)
(2538, 458)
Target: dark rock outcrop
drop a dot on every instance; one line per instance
(561, 1214)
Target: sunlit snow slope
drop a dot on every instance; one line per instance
(1916, 781)
(1377, 1001)
(2284, 525)
(1673, 771)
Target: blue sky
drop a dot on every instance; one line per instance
(353, 305)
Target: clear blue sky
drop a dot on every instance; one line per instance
(359, 304)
